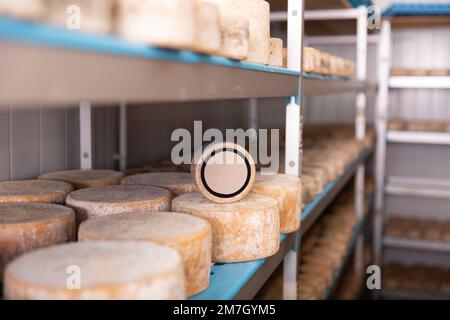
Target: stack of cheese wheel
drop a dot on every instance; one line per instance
(287, 191)
(242, 231)
(27, 226)
(24, 9)
(176, 182)
(190, 235)
(234, 31)
(86, 15)
(80, 179)
(311, 59)
(276, 52)
(223, 172)
(107, 200)
(97, 270)
(34, 191)
(162, 23)
(310, 189)
(258, 14)
(319, 175)
(207, 28)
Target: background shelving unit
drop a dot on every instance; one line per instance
(400, 186)
(314, 85)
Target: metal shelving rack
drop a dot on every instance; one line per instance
(402, 186)
(87, 70)
(319, 85)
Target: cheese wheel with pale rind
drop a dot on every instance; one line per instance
(234, 30)
(27, 226)
(258, 14)
(207, 20)
(24, 9)
(276, 52)
(108, 200)
(176, 182)
(162, 23)
(85, 178)
(34, 191)
(287, 191)
(190, 235)
(242, 231)
(120, 270)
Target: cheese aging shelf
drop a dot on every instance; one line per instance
(96, 69)
(85, 70)
(243, 280)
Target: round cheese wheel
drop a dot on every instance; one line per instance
(319, 174)
(224, 172)
(108, 200)
(27, 226)
(311, 59)
(97, 270)
(287, 191)
(94, 15)
(276, 52)
(24, 9)
(166, 24)
(85, 178)
(234, 31)
(34, 191)
(207, 19)
(310, 188)
(258, 14)
(242, 231)
(190, 235)
(176, 182)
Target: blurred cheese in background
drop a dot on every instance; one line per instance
(167, 24)
(24, 9)
(235, 32)
(85, 15)
(276, 52)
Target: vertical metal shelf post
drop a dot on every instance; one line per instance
(384, 53)
(293, 154)
(360, 130)
(85, 135)
(123, 136)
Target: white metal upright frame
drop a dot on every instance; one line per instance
(294, 115)
(293, 156)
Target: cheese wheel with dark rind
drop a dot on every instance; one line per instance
(34, 191)
(27, 226)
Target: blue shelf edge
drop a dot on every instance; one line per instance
(21, 31)
(310, 75)
(12, 29)
(417, 9)
(228, 279)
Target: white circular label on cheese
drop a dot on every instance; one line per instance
(226, 172)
